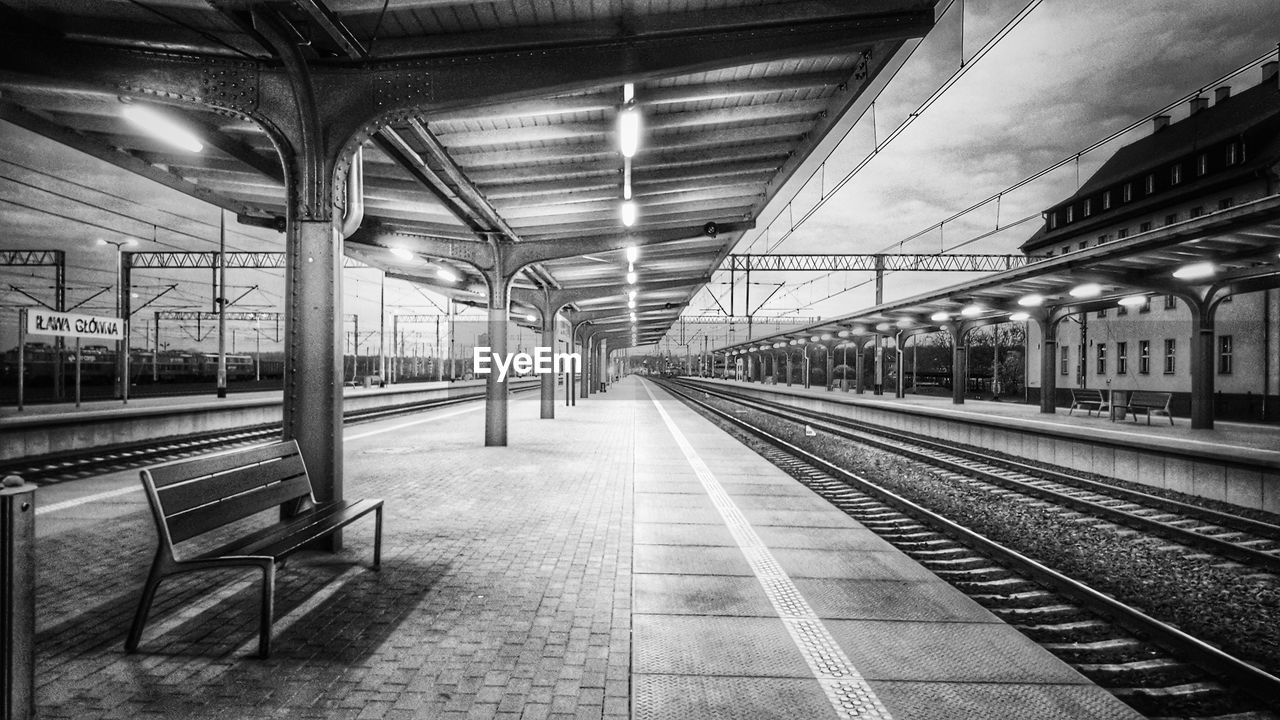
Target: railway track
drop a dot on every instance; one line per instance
(1157, 669)
(1237, 539)
(60, 467)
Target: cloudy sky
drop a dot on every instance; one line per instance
(1073, 72)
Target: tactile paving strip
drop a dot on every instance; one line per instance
(849, 694)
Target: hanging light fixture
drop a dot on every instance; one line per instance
(1032, 300)
(1020, 316)
(628, 213)
(1195, 271)
(446, 274)
(1087, 290)
(402, 253)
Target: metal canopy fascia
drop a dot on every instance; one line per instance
(1142, 264)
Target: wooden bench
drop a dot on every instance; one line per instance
(197, 497)
(1147, 403)
(1090, 401)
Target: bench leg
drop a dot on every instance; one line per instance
(144, 604)
(377, 539)
(268, 609)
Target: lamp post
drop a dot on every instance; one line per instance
(122, 345)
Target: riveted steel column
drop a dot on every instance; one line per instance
(17, 600)
(602, 364)
(495, 387)
(548, 411)
(959, 371)
(1048, 354)
(1202, 315)
(831, 365)
(788, 356)
(860, 367)
(313, 356)
(900, 384)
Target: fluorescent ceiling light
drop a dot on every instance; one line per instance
(1086, 290)
(1195, 271)
(628, 213)
(402, 253)
(815, 338)
(905, 322)
(940, 316)
(631, 278)
(971, 310)
(162, 128)
(629, 131)
(1020, 316)
(826, 336)
(633, 254)
(446, 274)
(631, 304)
(883, 327)
(1133, 300)
(1032, 300)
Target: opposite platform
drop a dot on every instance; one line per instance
(602, 566)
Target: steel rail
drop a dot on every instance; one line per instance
(1248, 678)
(868, 433)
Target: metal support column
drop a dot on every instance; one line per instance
(788, 366)
(860, 366)
(830, 352)
(900, 384)
(495, 388)
(1048, 328)
(548, 410)
(959, 370)
(1202, 369)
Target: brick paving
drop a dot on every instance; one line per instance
(505, 590)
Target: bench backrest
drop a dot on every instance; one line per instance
(193, 497)
(1146, 398)
(1087, 395)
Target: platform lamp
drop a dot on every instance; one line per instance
(122, 345)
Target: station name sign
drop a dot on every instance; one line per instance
(47, 322)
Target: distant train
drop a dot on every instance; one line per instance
(97, 366)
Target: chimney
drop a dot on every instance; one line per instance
(1269, 70)
(1221, 93)
(1198, 104)
(1161, 122)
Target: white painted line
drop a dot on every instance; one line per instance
(848, 692)
(68, 504)
(279, 627)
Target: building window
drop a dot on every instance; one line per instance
(1170, 360)
(1202, 164)
(1233, 153)
(1102, 314)
(1122, 311)
(1071, 213)
(1084, 244)
(1175, 174)
(1170, 302)
(1171, 218)
(1064, 360)
(1102, 358)
(1224, 354)
(1106, 200)
(1145, 227)
(1225, 203)
(1122, 233)
(1149, 185)
(1066, 249)
(1146, 305)
(1144, 356)
(1104, 238)
(1122, 358)
(1048, 253)
(1053, 220)
(1127, 192)
(1088, 207)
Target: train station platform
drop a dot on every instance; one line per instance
(627, 559)
(1234, 462)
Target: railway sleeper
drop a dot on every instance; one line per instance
(1026, 598)
(1092, 629)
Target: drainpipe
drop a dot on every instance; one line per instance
(353, 213)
